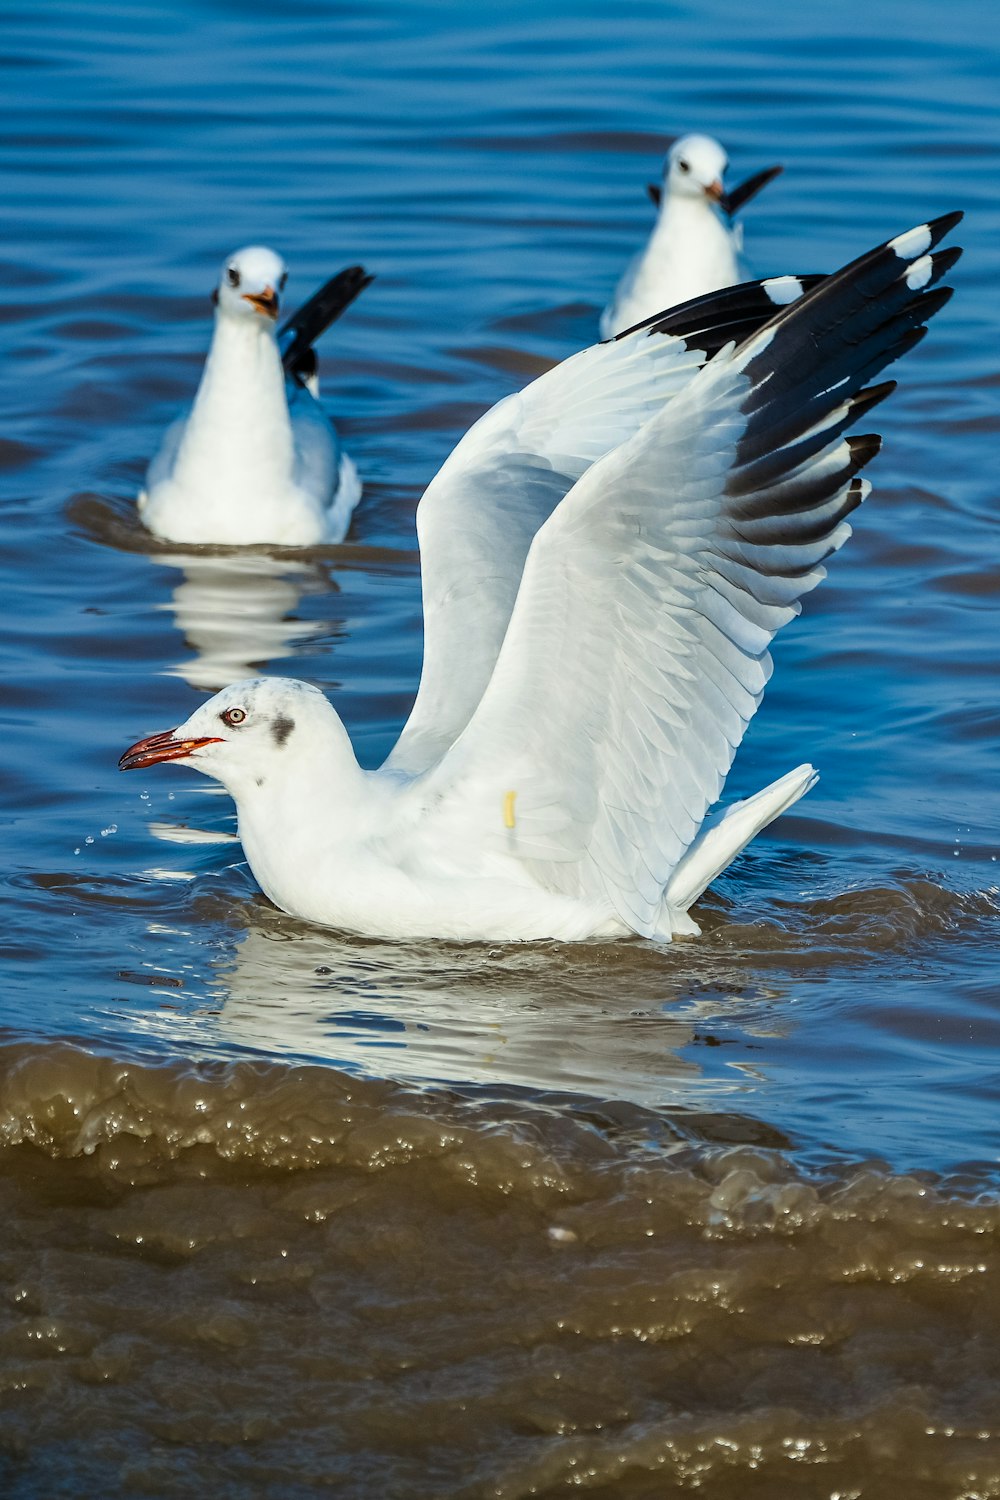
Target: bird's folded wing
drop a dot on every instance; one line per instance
(315, 445)
(638, 646)
(161, 465)
(481, 511)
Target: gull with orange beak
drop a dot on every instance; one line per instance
(256, 460)
(694, 248)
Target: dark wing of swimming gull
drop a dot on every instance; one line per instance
(748, 189)
(734, 201)
(298, 334)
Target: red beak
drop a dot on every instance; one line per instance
(157, 747)
(265, 302)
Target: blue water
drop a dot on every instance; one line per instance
(489, 168)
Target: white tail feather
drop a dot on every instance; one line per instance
(724, 834)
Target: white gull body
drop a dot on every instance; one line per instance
(694, 248)
(606, 557)
(255, 460)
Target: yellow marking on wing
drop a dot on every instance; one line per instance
(508, 809)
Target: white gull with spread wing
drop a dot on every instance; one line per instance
(607, 556)
(694, 247)
(256, 460)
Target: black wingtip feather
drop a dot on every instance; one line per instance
(306, 365)
(796, 475)
(932, 301)
(864, 447)
(748, 189)
(793, 429)
(909, 340)
(841, 333)
(808, 367)
(745, 301)
(798, 495)
(800, 435)
(871, 396)
(314, 317)
(944, 260)
(944, 224)
(711, 322)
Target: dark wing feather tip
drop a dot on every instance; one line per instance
(798, 527)
(313, 318)
(943, 261)
(799, 493)
(749, 188)
(807, 385)
(944, 223)
(709, 323)
(871, 395)
(867, 308)
(864, 447)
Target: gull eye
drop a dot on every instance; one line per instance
(232, 276)
(281, 283)
(684, 166)
(233, 716)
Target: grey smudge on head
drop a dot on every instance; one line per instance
(281, 729)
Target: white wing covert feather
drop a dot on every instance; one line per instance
(637, 650)
(479, 514)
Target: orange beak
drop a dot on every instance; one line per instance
(157, 747)
(265, 302)
(715, 191)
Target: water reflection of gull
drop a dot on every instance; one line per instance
(460, 1015)
(235, 612)
(540, 1016)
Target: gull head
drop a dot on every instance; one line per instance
(246, 733)
(694, 168)
(251, 283)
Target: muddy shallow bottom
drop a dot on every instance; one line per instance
(255, 1278)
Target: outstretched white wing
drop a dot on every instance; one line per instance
(638, 646)
(481, 511)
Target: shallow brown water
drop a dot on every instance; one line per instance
(286, 1213)
(249, 1279)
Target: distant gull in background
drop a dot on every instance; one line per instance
(256, 459)
(694, 248)
(606, 558)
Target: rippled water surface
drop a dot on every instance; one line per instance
(291, 1213)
